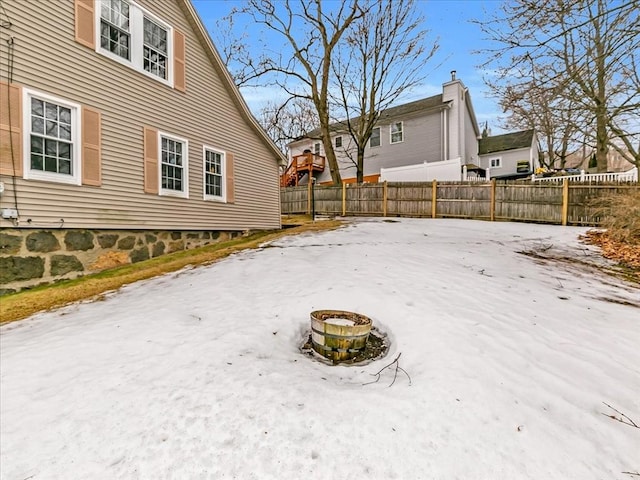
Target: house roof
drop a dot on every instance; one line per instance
(416, 106)
(428, 103)
(508, 141)
(230, 85)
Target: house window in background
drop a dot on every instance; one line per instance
(316, 149)
(173, 164)
(495, 162)
(213, 174)
(396, 132)
(374, 141)
(338, 142)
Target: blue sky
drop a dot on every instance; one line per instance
(448, 20)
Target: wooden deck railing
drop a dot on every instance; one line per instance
(305, 163)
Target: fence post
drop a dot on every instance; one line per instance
(434, 198)
(493, 200)
(309, 197)
(344, 199)
(384, 199)
(565, 201)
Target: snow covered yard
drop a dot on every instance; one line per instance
(198, 374)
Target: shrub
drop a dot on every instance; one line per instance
(621, 216)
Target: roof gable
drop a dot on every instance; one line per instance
(508, 141)
(221, 68)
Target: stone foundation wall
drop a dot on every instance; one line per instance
(35, 257)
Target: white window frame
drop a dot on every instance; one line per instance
(316, 148)
(185, 166)
(136, 41)
(379, 137)
(497, 160)
(76, 150)
(223, 170)
(336, 141)
(401, 132)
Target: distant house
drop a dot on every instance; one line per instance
(121, 133)
(433, 138)
(510, 155)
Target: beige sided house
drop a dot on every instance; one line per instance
(122, 137)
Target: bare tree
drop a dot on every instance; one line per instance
(589, 47)
(302, 65)
(532, 105)
(383, 56)
(287, 121)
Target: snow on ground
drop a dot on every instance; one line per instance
(198, 374)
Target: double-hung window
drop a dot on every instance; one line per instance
(338, 141)
(115, 35)
(214, 162)
(173, 166)
(397, 132)
(374, 141)
(53, 138)
(133, 36)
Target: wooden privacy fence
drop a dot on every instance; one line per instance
(565, 204)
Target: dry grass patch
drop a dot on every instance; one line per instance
(26, 303)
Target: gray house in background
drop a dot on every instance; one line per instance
(433, 138)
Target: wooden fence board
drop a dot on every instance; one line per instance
(532, 202)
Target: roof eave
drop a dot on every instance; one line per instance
(226, 77)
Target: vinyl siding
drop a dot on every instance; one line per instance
(422, 143)
(509, 159)
(470, 139)
(49, 60)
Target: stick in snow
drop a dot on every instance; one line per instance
(622, 418)
(395, 373)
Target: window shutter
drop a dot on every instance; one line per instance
(91, 154)
(150, 160)
(230, 183)
(85, 26)
(179, 61)
(10, 129)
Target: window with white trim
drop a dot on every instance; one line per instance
(338, 141)
(374, 141)
(316, 148)
(495, 162)
(397, 135)
(135, 37)
(173, 166)
(114, 27)
(214, 162)
(52, 143)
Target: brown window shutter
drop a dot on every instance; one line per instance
(150, 160)
(10, 129)
(179, 61)
(91, 154)
(85, 25)
(230, 194)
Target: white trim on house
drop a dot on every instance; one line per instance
(400, 131)
(495, 162)
(184, 192)
(75, 177)
(136, 40)
(223, 191)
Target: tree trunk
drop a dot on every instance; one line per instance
(602, 141)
